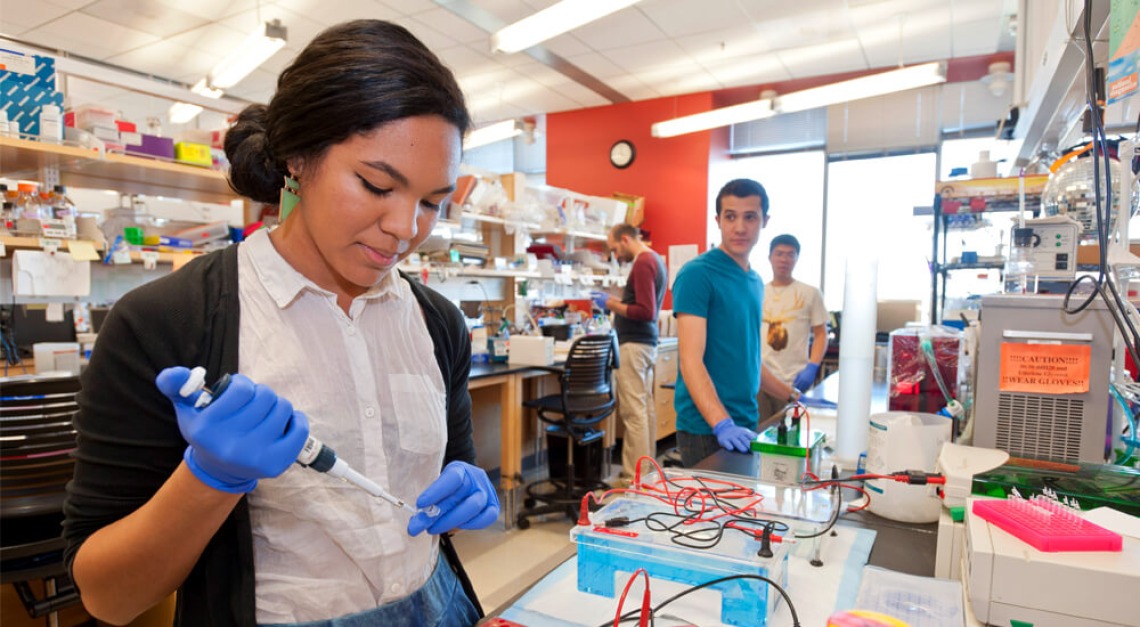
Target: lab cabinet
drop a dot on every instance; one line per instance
(665, 374)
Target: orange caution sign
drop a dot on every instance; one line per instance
(1045, 368)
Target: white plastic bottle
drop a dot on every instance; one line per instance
(51, 124)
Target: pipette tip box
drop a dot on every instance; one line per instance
(1047, 525)
(606, 554)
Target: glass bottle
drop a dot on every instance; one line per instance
(1020, 270)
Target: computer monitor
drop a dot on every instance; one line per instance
(28, 324)
(894, 314)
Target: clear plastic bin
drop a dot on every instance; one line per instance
(604, 555)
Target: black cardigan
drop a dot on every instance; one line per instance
(129, 443)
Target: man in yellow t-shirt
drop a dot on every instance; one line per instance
(793, 313)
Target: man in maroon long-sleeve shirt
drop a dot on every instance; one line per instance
(635, 320)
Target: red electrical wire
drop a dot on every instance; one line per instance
(646, 607)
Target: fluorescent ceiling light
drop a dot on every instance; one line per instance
(202, 89)
(183, 112)
(255, 50)
(491, 134)
(863, 87)
(553, 21)
(843, 91)
(755, 110)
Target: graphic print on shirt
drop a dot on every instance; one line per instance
(777, 334)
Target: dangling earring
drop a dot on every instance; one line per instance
(290, 196)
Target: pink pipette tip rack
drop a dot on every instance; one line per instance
(1047, 525)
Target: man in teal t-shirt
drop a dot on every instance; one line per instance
(717, 300)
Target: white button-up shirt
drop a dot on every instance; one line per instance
(372, 390)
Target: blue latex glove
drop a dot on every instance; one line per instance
(599, 299)
(732, 437)
(247, 433)
(465, 497)
(806, 378)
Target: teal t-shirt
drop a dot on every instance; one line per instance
(714, 287)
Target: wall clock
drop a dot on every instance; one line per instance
(622, 153)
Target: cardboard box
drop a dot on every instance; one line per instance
(635, 208)
(56, 357)
(514, 184)
(151, 146)
(27, 83)
(193, 154)
(531, 351)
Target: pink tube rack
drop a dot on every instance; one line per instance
(1046, 525)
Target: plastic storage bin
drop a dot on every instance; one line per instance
(605, 554)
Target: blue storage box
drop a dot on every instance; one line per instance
(604, 557)
(27, 84)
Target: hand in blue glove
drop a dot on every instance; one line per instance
(732, 437)
(465, 497)
(247, 433)
(599, 299)
(806, 378)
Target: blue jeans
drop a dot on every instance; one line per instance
(695, 447)
(440, 602)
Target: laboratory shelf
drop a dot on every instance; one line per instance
(83, 167)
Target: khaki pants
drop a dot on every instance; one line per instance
(635, 405)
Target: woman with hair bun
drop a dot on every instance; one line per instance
(361, 146)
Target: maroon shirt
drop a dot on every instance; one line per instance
(643, 294)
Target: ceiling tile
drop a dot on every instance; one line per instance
(409, 7)
(832, 58)
(147, 16)
(596, 65)
(214, 9)
(924, 36)
(17, 16)
(618, 30)
(430, 37)
(214, 39)
(70, 5)
(329, 12)
(755, 70)
(454, 27)
(468, 60)
(648, 55)
(676, 18)
(972, 38)
(730, 43)
(566, 45)
(88, 36)
(163, 58)
(584, 96)
(768, 11)
(632, 87)
(510, 11)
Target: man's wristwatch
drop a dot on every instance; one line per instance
(794, 397)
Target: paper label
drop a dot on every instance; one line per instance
(13, 61)
(82, 250)
(149, 259)
(1045, 368)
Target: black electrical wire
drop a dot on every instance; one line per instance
(635, 614)
(1106, 289)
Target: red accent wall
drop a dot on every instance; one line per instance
(671, 173)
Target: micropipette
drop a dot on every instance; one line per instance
(315, 454)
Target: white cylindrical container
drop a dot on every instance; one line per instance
(51, 124)
(900, 441)
(856, 357)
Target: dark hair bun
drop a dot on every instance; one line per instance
(254, 172)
